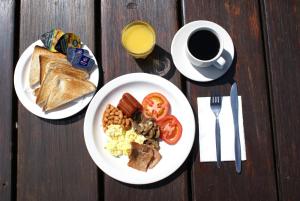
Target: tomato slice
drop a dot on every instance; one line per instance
(156, 106)
(170, 129)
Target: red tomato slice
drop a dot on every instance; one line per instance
(156, 106)
(170, 129)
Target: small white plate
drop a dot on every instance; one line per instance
(204, 74)
(27, 98)
(139, 85)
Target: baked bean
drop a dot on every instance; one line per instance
(112, 115)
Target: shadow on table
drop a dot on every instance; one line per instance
(163, 182)
(227, 78)
(159, 62)
(69, 120)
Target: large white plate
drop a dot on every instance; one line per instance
(25, 93)
(139, 85)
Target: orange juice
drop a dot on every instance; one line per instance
(138, 38)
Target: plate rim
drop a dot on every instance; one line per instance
(200, 23)
(19, 68)
(92, 109)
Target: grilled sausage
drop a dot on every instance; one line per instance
(129, 105)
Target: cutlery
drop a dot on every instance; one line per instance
(216, 104)
(235, 112)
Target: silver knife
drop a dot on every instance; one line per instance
(235, 114)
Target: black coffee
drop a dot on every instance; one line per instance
(203, 45)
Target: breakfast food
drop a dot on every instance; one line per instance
(170, 129)
(58, 89)
(67, 40)
(51, 38)
(45, 89)
(138, 38)
(66, 89)
(156, 106)
(113, 115)
(58, 41)
(70, 45)
(50, 63)
(80, 58)
(73, 52)
(34, 74)
(147, 123)
(54, 80)
(149, 129)
(143, 156)
(129, 105)
(119, 140)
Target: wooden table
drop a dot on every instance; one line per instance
(48, 160)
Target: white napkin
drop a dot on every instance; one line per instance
(207, 140)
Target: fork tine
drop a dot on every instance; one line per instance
(215, 98)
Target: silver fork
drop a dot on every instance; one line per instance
(216, 104)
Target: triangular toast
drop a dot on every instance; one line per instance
(66, 90)
(34, 75)
(50, 63)
(46, 87)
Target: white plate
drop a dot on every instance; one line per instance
(139, 85)
(25, 93)
(204, 74)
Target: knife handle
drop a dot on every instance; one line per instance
(218, 143)
(237, 147)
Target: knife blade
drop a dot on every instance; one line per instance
(235, 113)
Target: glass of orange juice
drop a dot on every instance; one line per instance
(138, 38)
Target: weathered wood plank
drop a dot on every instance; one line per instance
(163, 16)
(282, 31)
(53, 162)
(6, 102)
(258, 180)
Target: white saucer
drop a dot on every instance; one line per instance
(204, 74)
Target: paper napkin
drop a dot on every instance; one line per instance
(207, 140)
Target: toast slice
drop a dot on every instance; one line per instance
(67, 89)
(45, 89)
(49, 63)
(34, 74)
(36, 91)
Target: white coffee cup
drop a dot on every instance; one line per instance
(217, 60)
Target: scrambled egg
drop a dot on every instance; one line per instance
(119, 140)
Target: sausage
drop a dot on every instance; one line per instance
(131, 100)
(129, 105)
